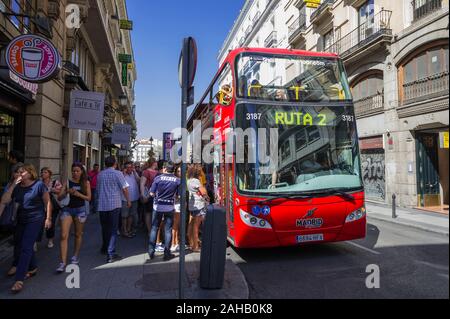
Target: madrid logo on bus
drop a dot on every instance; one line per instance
(33, 58)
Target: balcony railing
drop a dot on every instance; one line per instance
(256, 17)
(248, 30)
(426, 88)
(299, 25)
(321, 8)
(369, 105)
(364, 34)
(422, 9)
(271, 40)
(241, 41)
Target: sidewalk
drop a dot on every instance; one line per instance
(431, 222)
(132, 278)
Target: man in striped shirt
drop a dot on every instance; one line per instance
(111, 184)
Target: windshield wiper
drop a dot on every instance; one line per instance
(328, 192)
(309, 195)
(286, 196)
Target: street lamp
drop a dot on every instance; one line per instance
(123, 100)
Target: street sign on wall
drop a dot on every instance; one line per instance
(444, 140)
(121, 134)
(125, 58)
(86, 111)
(33, 58)
(126, 25)
(124, 74)
(312, 3)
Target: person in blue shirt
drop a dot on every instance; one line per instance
(164, 189)
(34, 212)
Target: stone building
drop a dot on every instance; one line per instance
(34, 118)
(396, 57)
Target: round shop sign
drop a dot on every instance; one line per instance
(33, 58)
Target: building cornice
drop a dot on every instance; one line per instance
(231, 35)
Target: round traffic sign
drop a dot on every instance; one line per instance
(189, 57)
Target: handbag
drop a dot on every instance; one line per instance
(9, 217)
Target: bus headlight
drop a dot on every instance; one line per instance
(356, 215)
(254, 222)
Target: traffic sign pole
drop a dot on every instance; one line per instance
(187, 69)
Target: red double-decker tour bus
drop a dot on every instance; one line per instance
(313, 192)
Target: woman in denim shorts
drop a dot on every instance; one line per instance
(79, 190)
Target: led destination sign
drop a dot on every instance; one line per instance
(300, 119)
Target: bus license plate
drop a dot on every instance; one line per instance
(310, 238)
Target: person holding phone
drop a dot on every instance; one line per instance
(79, 190)
(34, 211)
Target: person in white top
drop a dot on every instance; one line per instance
(198, 201)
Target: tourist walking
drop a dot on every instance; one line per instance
(111, 185)
(79, 190)
(129, 215)
(34, 211)
(148, 176)
(163, 190)
(93, 174)
(54, 188)
(198, 200)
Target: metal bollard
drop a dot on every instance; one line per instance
(394, 206)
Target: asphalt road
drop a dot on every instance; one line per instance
(412, 264)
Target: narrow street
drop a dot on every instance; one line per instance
(413, 264)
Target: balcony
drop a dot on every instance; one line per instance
(271, 40)
(324, 11)
(248, 30)
(370, 105)
(433, 86)
(422, 8)
(256, 18)
(241, 41)
(297, 29)
(365, 37)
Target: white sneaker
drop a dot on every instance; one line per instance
(61, 268)
(75, 260)
(175, 249)
(50, 245)
(159, 248)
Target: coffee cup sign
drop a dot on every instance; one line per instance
(33, 58)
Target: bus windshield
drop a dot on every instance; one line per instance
(316, 148)
(291, 78)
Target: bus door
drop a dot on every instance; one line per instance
(229, 199)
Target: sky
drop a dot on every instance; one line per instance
(159, 28)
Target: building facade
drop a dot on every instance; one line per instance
(90, 63)
(144, 146)
(34, 117)
(396, 57)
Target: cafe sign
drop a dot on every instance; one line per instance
(33, 58)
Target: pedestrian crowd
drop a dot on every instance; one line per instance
(125, 198)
